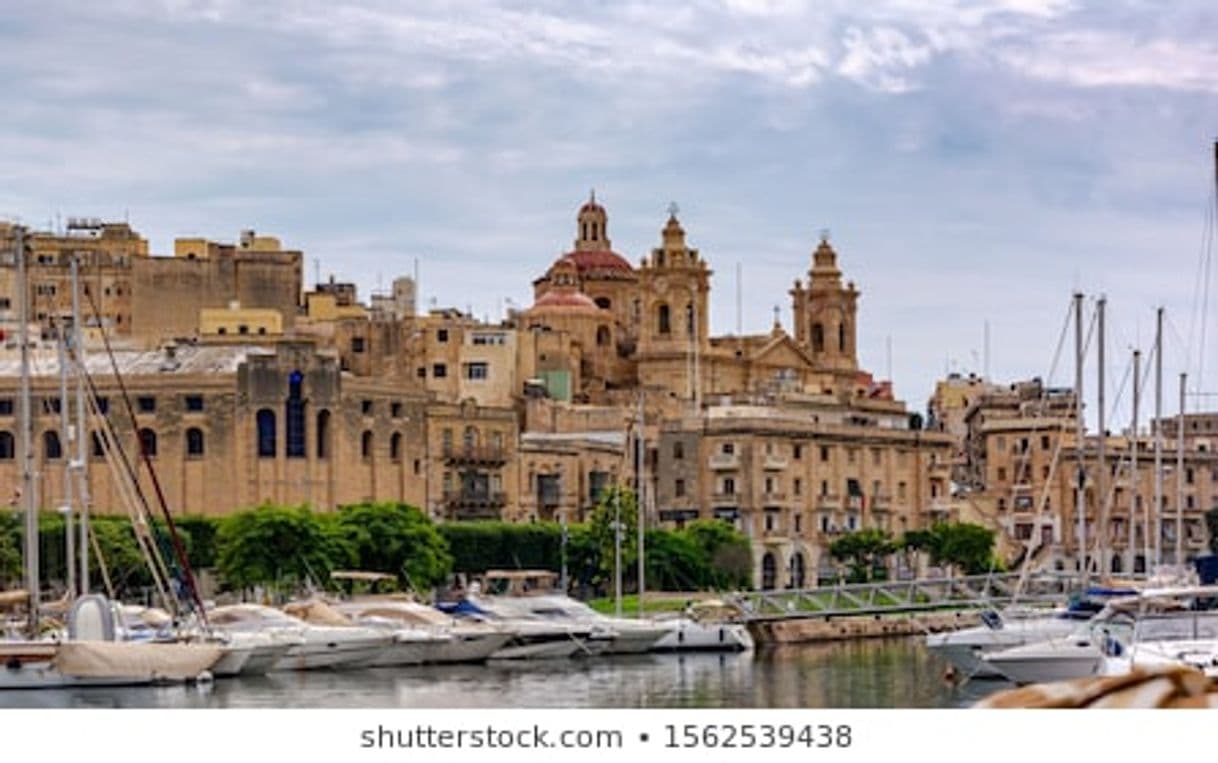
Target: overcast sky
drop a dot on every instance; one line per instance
(974, 160)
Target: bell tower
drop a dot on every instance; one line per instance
(592, 227)
(674, 322)
(826, 312)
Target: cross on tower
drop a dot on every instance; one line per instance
(824, 234)
(777, 312)
(673, 209)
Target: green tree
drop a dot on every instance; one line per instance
(729, 556)
(617, 504)
(965, 546)
(675, 562)
(10, 549)
(397, 539)
(863, 551)
(1211, 525)
(280, 546)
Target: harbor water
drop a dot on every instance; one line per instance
(873, 673)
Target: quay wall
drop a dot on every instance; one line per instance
(841, 628)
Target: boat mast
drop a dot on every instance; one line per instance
(1103, 532)
(80, 465)
(1179, 555)
(1157, 426)
(1080, 502)
(1133, 467)
(65, 438)
(641, 494)
(25, 437)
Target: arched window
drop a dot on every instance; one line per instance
(689, 319)
(663, 322)
(841, 337)
(266, 433)
(147, 442)
(602, 336)
(51, 448)
(469, 438)
(294, 417)
(365, 445)
(395, 446)
(194, 442)
(8, 446)
(603, 303)
(818, 338)
(323, 434)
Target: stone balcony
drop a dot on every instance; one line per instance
(724, 461)
(774, 463)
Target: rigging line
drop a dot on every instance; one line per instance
(1120, 391)
(1197, 279)
(179, 549)
(1205, 302)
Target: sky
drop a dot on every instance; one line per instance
(974, 161)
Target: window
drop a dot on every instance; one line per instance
(469, 438)
(418, 466)
(357, 344)
(395, 446)
(797, 486)
(439, 371)
(729, 486)
(603, 303)
(901, 491)
(850, 454)
(678, 451)
(1044, 442)
(475, 371)
(818, 337)
(1001, 475)
(294, 417)
(602, 336)
(447, 439)
(99, 445)
(6, 406)
(824, 453)
(678, 488)
(147, 442)
(798, 452)
(728, 448)
(365, 445)
(395, 410)
(489, 339)
(323, 434)
(421, 372)
(266, 433)
(442, 335)
(8, 446)
(194, 403)
(799, 523)
(663, 320)
(194, 442)
(1188, 475)
(51, 447)
(841, 337)
(145, 404)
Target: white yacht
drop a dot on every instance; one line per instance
(311, 646)
(409, 646)
(442, 638)
(705, 626)
(1149, 628)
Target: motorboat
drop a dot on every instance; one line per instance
(443, 638)
(966, 649)
(408, 646)
(311, 646)
(705, 626)
(1149, 628)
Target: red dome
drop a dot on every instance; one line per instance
(586, 261)
(563, 299)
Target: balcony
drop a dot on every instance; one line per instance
(474, 455)
(770, 499)
(774, 463)
(724, 461)
(881, 503)
(465, 505)
(725, 498)
(828, 501)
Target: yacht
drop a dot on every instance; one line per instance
(409, 646)
(444, 638)
(706, 626)
(1154, 627)
(310, 646)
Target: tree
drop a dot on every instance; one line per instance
(617, 503)
(10, 549)
(675, 562)
(397, 539)
(864, 551)
(728, 554)
(280, 546)
(963, 545)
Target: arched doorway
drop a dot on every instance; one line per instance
(769, 572)
(798, 570)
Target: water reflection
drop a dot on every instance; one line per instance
(875, 673)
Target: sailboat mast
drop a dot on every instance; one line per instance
(25, 437)
(80, 465)
(1080, 502)
(1103, 533)
(641, 497)
(1158, 435)
(1133, 467)
(65, 438)
(1179, 555)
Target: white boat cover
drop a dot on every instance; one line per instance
(104, 659)
(317, 612)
